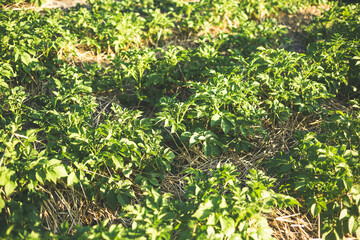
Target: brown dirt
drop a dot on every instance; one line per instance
(295, 23)
(62, 3)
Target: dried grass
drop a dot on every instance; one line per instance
(80, 55)
(66, 204)
(291, 223)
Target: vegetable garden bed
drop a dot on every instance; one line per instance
(179, 119)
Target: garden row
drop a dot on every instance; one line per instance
(84, 139)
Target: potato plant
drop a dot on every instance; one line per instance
(105, 108)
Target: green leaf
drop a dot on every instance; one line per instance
(127, 172)
(10, 187)
(3, 83)
(264, 232)
(60, 171)
(357, 232)
(40, 176)
(204, 210)
(53, 162)
(123, 199)
(211, 219)
(331, 235)
(185, 136)
(3, 177)
(243, 131)
(72, 179)
(40, 2)
(226, 125)
(227, 225)
(111, 199)
(315, 209)
(210, 231)
(118, 162)
(2, 204)
(193, 140)
(51, 175)
(25, 58)
(353, 224)
(215, 120)
(290, 201)
(6, 71)
(223, 203)
(210, 149)
(343, 214)
(129, 143)
(357, 62)
(355, 190)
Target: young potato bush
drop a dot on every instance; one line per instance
(78, 150)
(215, 206)
(26, 45)
(336, 48)
(324, 170)
(273, 85)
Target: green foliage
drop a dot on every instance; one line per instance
(324, 170)
(77, 147)
(248, 36)
(210, 75)
(25, 47)
(272, 84)
(336, 48)
(216, 206)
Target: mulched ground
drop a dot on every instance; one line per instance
(287, 224)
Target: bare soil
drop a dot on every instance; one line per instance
(295, 23)
(62, 3)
